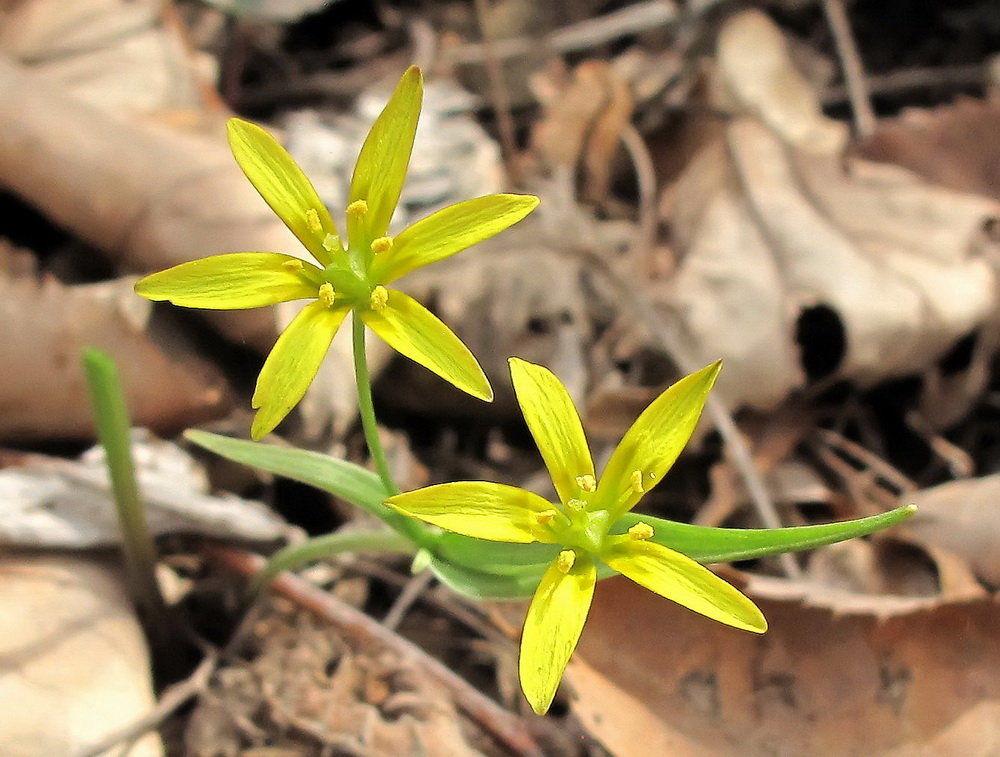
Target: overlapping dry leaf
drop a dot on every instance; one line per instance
(779, 231)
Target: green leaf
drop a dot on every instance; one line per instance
(712, 545)
(494, 557)
(341, 478)
(517, 584)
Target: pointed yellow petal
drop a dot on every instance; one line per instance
(283, 185)
(385, 155)
(476, 508)
(412, 330)
(654, 442)
(680, 579)
(448, 231)
(554, 424)
(552, 629)
(292, 364)
(233, 282)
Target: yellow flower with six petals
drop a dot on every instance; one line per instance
(583, 521)
(353, 273)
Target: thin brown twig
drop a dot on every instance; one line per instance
(172, 699)
(850, 61)
(912, 78)
(416, 586)
(638, 17)
(364, 630)
(498, 91)
(645, 176)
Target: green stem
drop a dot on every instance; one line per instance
(329, 545)
(111, 417)
(366, 407)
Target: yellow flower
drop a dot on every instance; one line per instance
(583, 521)
(351, 274)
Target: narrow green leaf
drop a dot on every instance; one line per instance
(341, 478)
(712, 545)
(520, 584)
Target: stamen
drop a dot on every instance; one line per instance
(546, 516)
(576, 504)
(331, 243)
(292, 265)
(382, 244)
(636, 482)
(326, 294)
(587, 482)
(357, 208)
(565, 560)
(379, 298)
(641, 531)
(312, 221)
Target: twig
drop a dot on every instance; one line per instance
(850, 61)
(498, 91)
(912, 78)
(411, 593)
(173, 698)
(638, 17)
(363, 630)
(645, 176)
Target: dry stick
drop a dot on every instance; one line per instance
(172, 699)
(635, 18)
(410, 594)
(498, 92)
(854, 75)
(508, 728)
(645, 177)
(913, 78)
(670, 336)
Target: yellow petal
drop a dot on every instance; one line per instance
(233, 282)
(654, 442)
(554, 424)
(292, 364)
(450, 230)
(476, 508)
(680, 579)
(283, 185)
(412, 330)
(385, 155)
(552, 629)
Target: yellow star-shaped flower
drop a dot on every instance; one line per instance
(583, 521)
(351, 274)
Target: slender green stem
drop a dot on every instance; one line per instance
(367, 407)
(111, 417)
(329, 545)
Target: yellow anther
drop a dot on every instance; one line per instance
(379, 298)
(382, 244)
(636, 482)
(357, 208)
(326, 295)
(565, 560)
(641, 531)
(331, 242)
(545, 516)
(292, 265)
(312, 221)
(576, 504)
(587, 483)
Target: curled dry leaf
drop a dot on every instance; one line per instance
(963, 518)
(876, 272)
(58, 503)
(43, 328)
(878, 676)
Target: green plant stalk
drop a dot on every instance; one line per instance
(366, 406)
(329, 545)
(111, 417)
